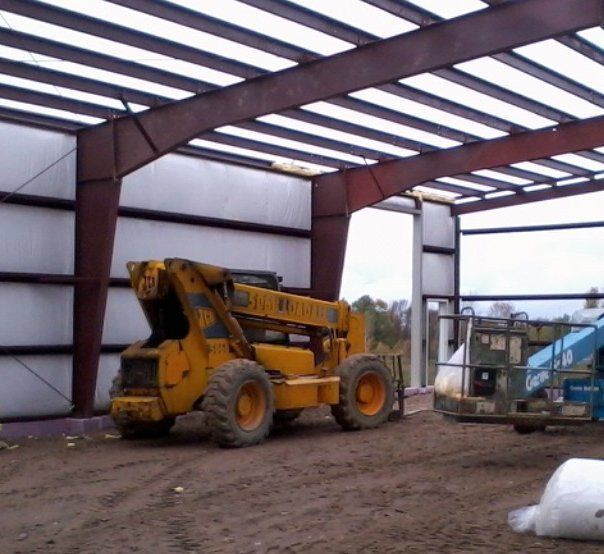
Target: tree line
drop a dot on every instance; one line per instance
(388, 325)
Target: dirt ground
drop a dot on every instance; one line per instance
(418, 485)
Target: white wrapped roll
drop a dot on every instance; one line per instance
(448, 380)
(572, 505)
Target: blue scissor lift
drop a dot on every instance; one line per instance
(528, 373)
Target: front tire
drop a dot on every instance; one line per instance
(366, 393)
(239, 404)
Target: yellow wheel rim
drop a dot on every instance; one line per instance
(251, 406)
(370, 394)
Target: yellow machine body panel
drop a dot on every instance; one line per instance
(305, 392)
(287, 360)
(289, 308)
(199, 320)
(138, 408)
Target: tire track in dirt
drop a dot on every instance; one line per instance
(421, 485)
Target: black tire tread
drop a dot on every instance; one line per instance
(344, 413)
(216, 404)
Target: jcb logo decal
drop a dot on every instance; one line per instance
(206, 317)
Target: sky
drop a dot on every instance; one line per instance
(378, 258)
(378, 255)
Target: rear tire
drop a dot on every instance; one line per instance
(239, 404)
(366, 393)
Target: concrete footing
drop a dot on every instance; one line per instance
(412, 391)
(50, 427)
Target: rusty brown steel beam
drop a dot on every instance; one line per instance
(593, 185)
(141, 40)
(47, 47)
(102, 112)
(423, 17)
(94, 59)
(77, 21)
(328, 247)
(202, 22)
(475, 35)
(364, 188)
(152, 43)
(33, 72)
(97, 204)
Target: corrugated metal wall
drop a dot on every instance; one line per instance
(41, 240)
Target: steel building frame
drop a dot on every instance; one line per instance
(458, 298)
(126, 141)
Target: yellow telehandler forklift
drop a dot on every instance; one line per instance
(247, 356)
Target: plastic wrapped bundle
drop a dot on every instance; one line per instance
(572, 505)
(449, 378)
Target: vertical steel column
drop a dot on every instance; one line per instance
(329, 234)
(418, 307)
(457, 270)
(457, 278)
(95, 223)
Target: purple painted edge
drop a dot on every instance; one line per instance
(51, 427)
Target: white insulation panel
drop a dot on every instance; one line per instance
(438, 225)
(35, 314)
(36, 240)
(109, 365)
(28, 151)
(190, 185)
(125, 321)
(144, 240)
(438, 274)
(22, 394)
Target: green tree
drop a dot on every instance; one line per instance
(400, 314)
(379, 325)
(501, 309)
(565, 318)
(591, 302)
